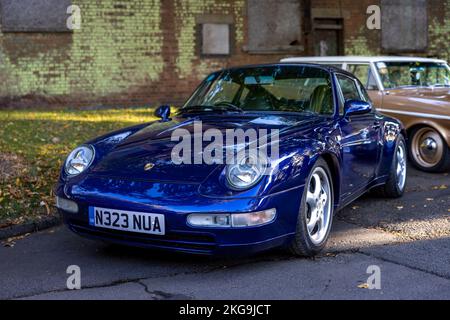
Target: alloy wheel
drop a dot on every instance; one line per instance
(401, 166)
(318, 206)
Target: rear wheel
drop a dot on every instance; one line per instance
(316, 212)
(428, 150)
(396, 184)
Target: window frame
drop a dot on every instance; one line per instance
(341, 94)
(215, 75)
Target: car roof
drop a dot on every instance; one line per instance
(294, 64)
(361, 59)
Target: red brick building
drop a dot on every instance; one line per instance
(149, 52)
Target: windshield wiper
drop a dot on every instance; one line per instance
(220, 107)
(406, 86)
(229, 106)
(196, 109)
(202, 109)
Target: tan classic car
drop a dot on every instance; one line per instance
(414, 90)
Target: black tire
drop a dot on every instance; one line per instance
(442, 166)
(302, 245)
(391, 188)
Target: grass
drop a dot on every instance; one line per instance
(43, 139)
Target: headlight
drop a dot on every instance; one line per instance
(246, 172)
(79, 160)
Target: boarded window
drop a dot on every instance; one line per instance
(328, 37)
(34, 15)
(274, 25)
(215, 39)
(404, 25)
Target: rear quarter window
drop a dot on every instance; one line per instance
(364, 73)
(349, 88)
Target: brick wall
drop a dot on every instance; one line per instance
(144, 52)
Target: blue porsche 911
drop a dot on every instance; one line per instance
(259, 157)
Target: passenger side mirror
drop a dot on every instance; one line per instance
(163, 112)
(354, 107)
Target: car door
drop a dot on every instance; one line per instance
(360, 136)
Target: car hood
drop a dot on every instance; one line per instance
(152, 146)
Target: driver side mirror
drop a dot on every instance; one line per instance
(163, 112)
(355, 107)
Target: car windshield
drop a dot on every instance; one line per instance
(267, 88)
(414, 74)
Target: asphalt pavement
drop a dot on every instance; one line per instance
(407, 240)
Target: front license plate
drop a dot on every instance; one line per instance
(138, 222)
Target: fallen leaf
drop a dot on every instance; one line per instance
(400, 207)
(430, 199)
(5, 225)
(363, 286)
(11, 242)
(44, 204)
(56, 140)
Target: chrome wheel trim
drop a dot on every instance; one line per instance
(401, 166)
(427, 147)
(318, 206)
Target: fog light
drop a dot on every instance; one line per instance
(239, 220)
(210, 220)
(66, 205)
(253, 219)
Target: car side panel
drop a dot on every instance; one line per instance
(412, 109)
(441, 125)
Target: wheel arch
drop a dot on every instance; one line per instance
(417, 125)
(333, 164)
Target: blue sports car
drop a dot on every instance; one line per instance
(203, 181)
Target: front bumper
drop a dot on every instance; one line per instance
(180, 236)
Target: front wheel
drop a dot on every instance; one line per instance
(316, 212)
(428, 150)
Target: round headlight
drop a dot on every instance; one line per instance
(79, 160)
(247, 172)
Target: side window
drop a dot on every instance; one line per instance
(364, 93)
(364, 73)
(349, 88)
